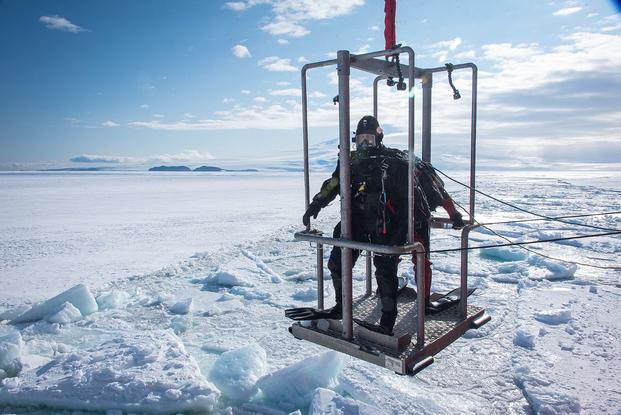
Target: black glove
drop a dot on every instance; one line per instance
(313, 210)
(458, 222)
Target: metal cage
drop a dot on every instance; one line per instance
(398, 354)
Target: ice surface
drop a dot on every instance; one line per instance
(569, 366)
(327, 402)
(236, 372)
(182, 307)
(558, 316)
(148, 372)
(112, 299)
(65, 315)
(296, 384)
(10, 354)
(79, 296)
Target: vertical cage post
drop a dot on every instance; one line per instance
(369, 269)
(463, 286)
(427, 82)
(320, 276)
(473, 140)
(411, 204)
(375, 97)
(305, 141)
(420, 300)
(343, 69)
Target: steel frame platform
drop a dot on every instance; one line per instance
(397, 353)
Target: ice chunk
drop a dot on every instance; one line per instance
(182, 307)
(226, 278)
(138, 372)
(11, 313)
(236, 372)
(550, 270)
(525, 337)
(251, 293)
(79, 296)
(295, 384)
(112, 299)
(66, 314)
(309, 294)
(503, 254)
(593, 289)
(10, 354)
(558, 316)
(325, 401)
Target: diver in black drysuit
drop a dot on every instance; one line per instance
(379, 180)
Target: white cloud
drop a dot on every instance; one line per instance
(276, 64)
(238, 6)
(92, 158)
(240, 51)
(283, 83)
(60, 23)
(227, 100)
(611, 23)
(302, 59)
(317, 94)
(566, 11)
(282, 41)
(362, 49)
(260, 99)
(245, 91)
(469, 54)
(158, 115)
(289, 15)
(374, 28)
(186, 156)
(291, 92)
(285, 28)
(189, 115)
(109, 124)
(451, 44)
(592, 15)
(144, 106)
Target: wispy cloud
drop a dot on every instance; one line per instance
(186, 156)
(60, 23)
(285, 28)
(240, 51)
(450, 44)
(290, 92)
(566, 11)
(276, 64)
(289, 16)
(110, 124)
(282, 41)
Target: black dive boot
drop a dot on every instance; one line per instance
(387, 322)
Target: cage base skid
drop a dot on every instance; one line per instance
(441, 330)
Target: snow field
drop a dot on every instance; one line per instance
(550, 348)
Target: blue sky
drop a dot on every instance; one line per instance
(195, 82)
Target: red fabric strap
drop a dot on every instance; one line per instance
(449, 206)
(390, 8)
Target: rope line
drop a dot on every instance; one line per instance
(584, 264)
(529, 242)
(526, 211)
(509, 222)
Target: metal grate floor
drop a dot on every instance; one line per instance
(436, 326)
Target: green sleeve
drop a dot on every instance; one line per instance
(329, 189)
